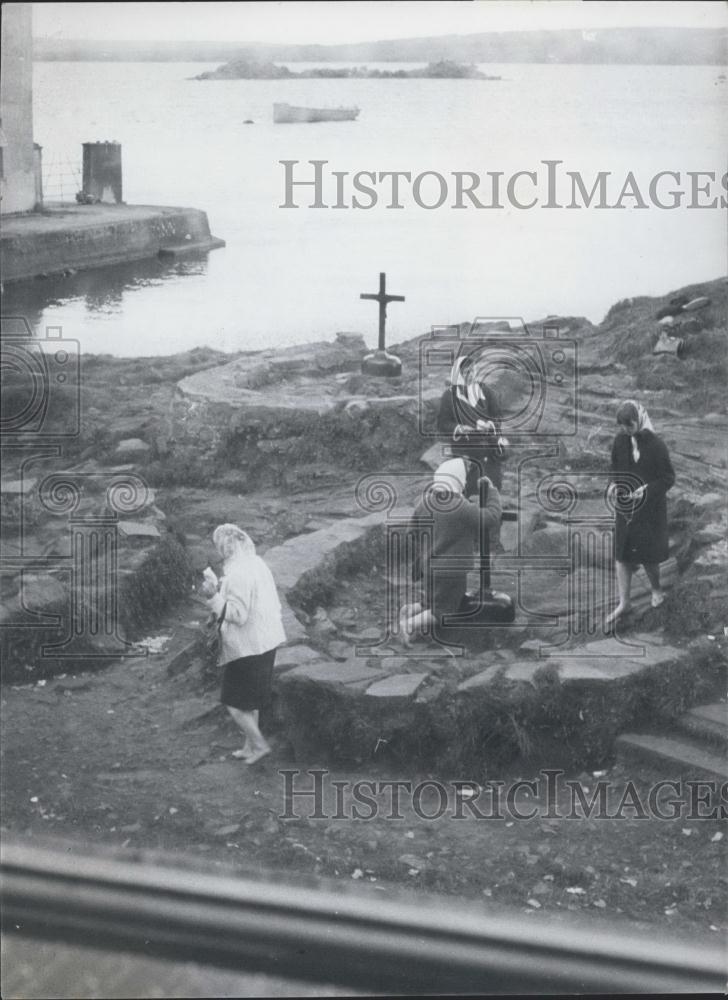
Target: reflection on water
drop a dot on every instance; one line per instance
(100, 292)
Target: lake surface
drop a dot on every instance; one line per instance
(289, 276)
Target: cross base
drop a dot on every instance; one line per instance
(381, 363)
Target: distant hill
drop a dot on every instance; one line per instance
(648, 46)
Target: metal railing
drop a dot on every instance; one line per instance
(61, 179)
(351, 938)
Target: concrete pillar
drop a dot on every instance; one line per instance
(38, 172)
(102, 171)
(17, 181)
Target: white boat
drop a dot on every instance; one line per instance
(288, 113)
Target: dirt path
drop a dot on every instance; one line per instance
(131, 757)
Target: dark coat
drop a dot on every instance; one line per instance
(454, 411)
(641, 533)
(442, 567)
(477, 446)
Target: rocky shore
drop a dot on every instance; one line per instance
(298, 446)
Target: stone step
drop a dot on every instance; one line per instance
(678, 755)
(708, 722)
(193, 247)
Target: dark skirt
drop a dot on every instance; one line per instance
(643, 540)
(246, 682)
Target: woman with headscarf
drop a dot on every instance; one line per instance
(456, 524)
(641, 476)
(469, 418)
(246, 601)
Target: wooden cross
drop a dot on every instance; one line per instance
(382, 298)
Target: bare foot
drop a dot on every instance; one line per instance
(404, 635)
(620, 610)
(658, 598)
(242, 754)
(257, 755)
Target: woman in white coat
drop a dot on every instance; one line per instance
(251, 630)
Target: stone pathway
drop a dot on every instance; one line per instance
(349, 699)
(698, 748)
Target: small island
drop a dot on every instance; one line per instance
(246, 69)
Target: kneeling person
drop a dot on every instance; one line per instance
(456, 524)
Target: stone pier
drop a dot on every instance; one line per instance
(69, 237)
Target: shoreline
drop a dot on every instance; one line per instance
(32, 296)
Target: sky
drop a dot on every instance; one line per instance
(355, 20)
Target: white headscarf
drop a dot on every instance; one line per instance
(643, 424)
(233, 543)
(452, 474)
(468, 389)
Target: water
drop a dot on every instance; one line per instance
(289, 276)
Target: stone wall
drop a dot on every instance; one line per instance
(288, 417)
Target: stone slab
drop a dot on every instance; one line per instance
(531, 646)
(297, 656)
(710, 533)
(673, 753)
(296, 556)
(613, 667)
(132, 446)
(717, 713)
(709, 722)
(294, 629)
(523, 671)
(641, 649)
(481, 679)
(17, 487)
(139, 529)
(397, 686)
(580, 670)
(188, 249)
(351, 672)
(710, 499)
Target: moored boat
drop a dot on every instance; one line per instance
(288, 113)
